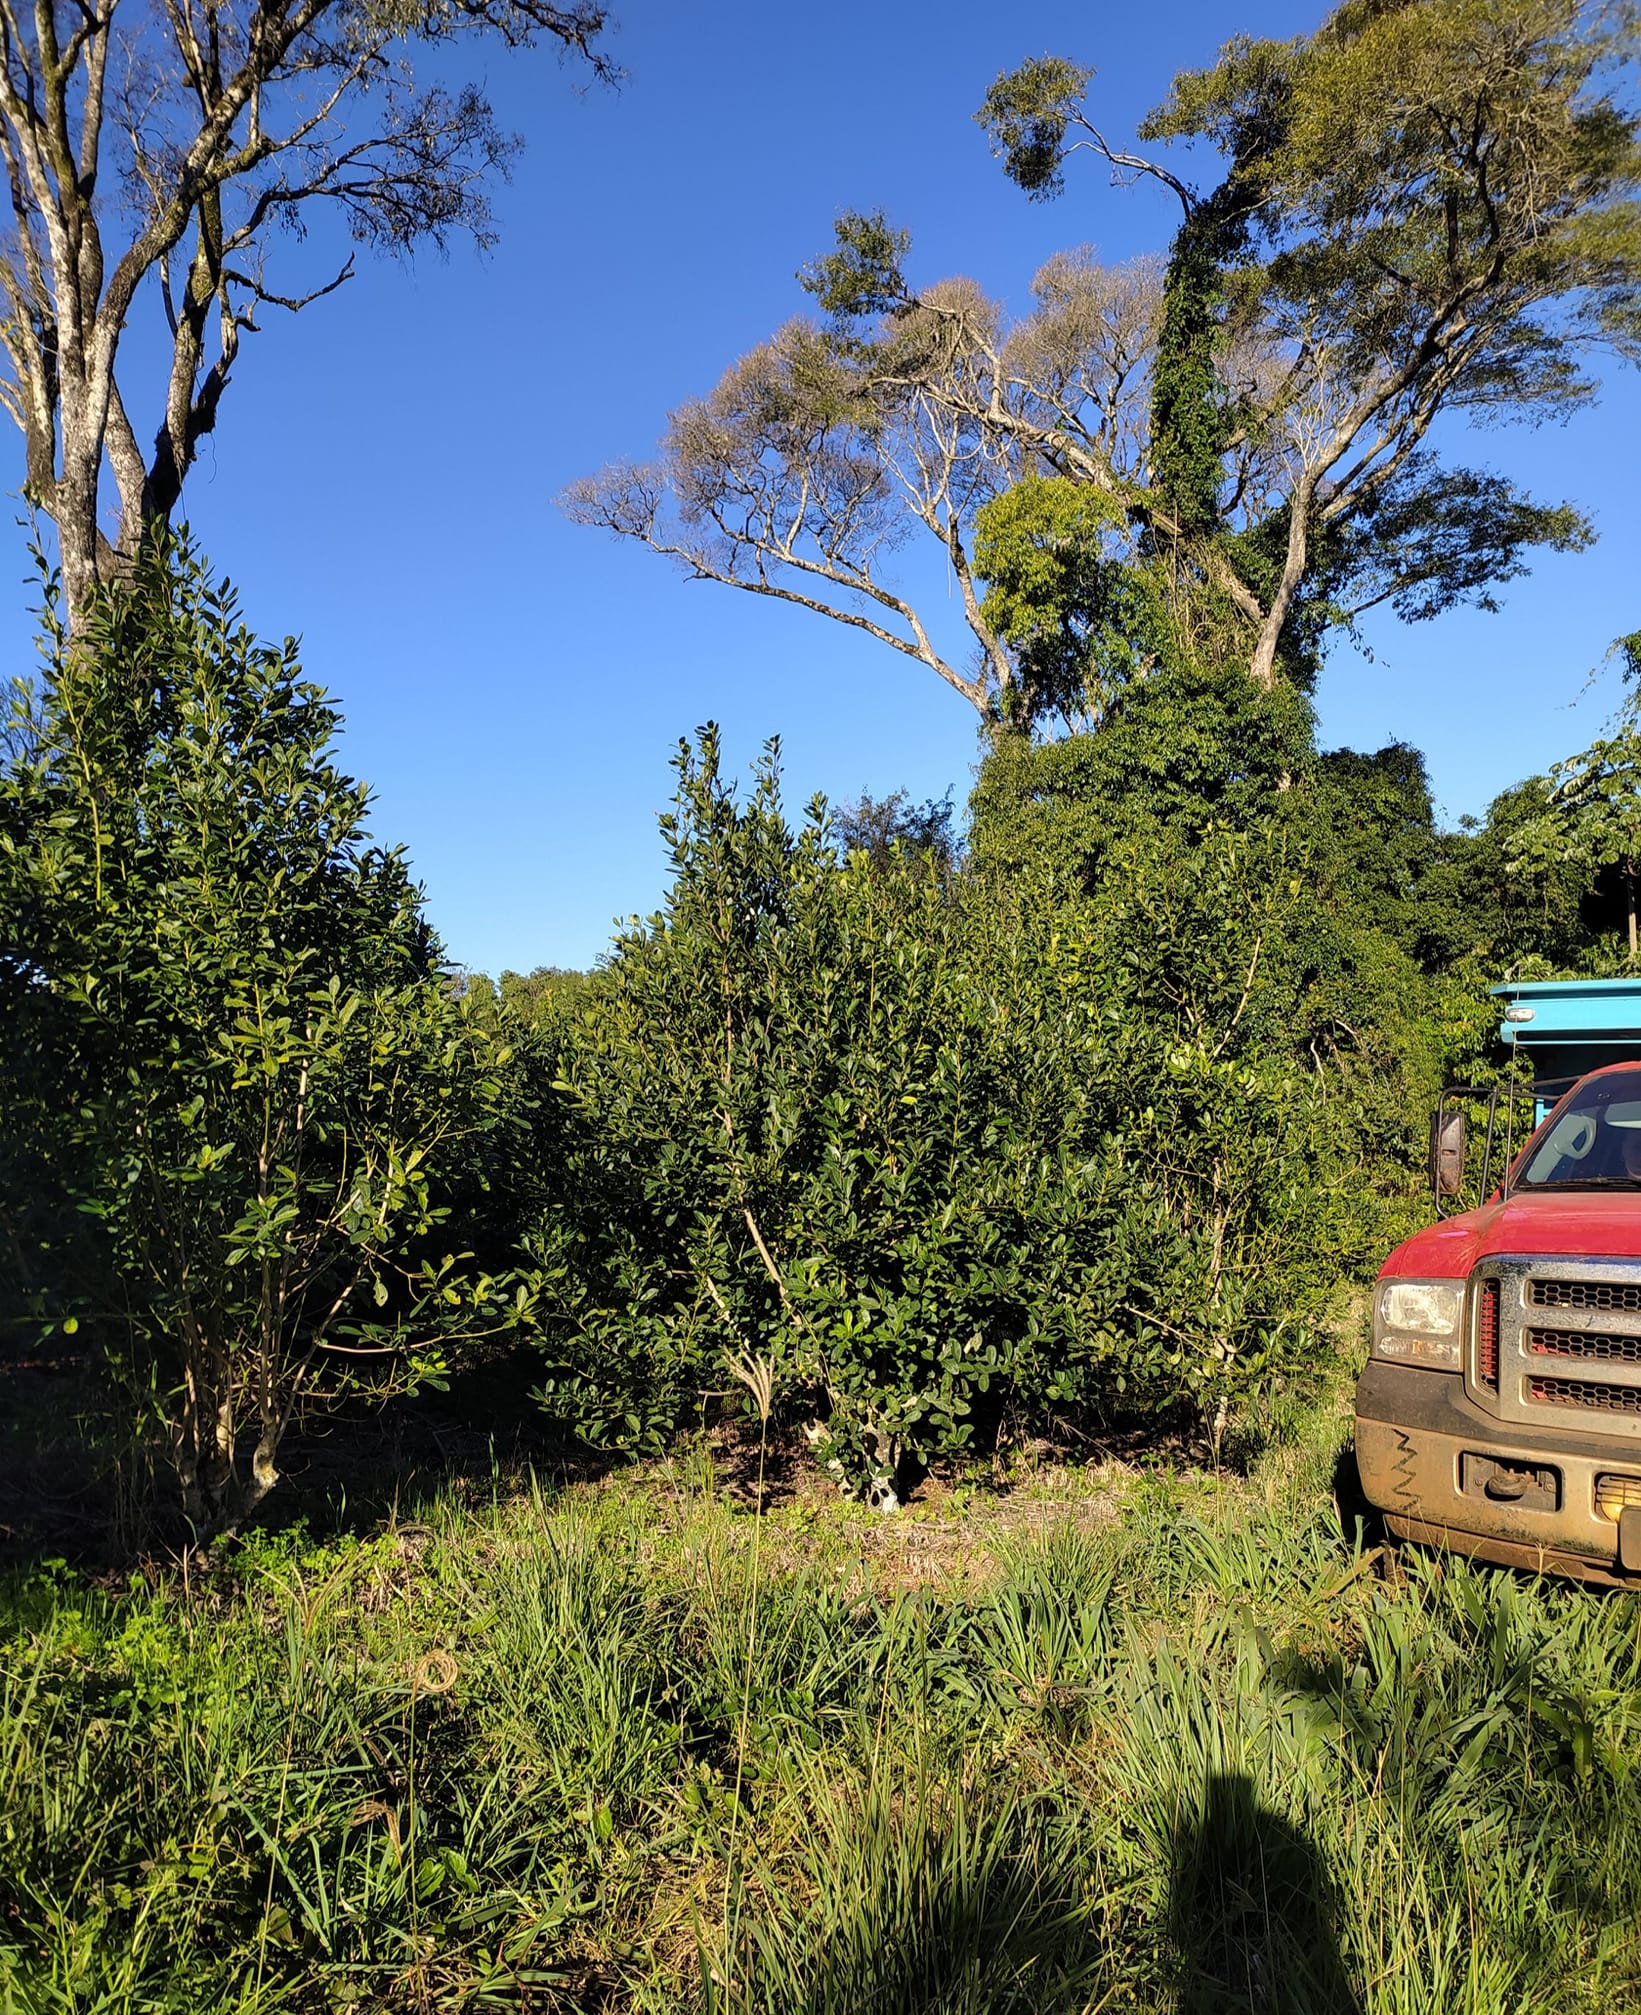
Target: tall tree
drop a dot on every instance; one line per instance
(161, 152)
(1425, 208)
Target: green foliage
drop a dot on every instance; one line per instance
(888, 829)
(1544, 915)
(1082, 618)
(1181, 751)
(811, 1131)
(1591, 814)
(1430, 893)
(524, 998)
(1025, 115)
(1363, 172)
(1419, 915)
(1435, 538)
(917, 1889)
(1200, 824)
(946, 1150)
(862, 277)
(245, 1074)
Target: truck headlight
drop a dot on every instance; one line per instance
(1420, 1322)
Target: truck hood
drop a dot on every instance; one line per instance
(1581, 1224)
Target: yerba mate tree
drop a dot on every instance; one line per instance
(157, 155)
(1425, 209)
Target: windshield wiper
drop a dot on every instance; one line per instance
(1585, 1182)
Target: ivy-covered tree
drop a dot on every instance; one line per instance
(233, 1055)
(1422, 209)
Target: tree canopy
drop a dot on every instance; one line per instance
(1421, 210)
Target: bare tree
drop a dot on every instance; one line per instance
(159, 150)
(812, 461)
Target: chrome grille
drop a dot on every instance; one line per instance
(1579, 1367)
(1584, 1343)
(1619, 1294)
(1585, 1393)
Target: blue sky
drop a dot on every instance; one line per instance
(384, 476)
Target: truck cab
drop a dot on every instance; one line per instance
(1500, 1411)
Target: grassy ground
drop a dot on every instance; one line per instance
(1098, 1739)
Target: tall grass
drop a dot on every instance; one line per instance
(533, 1755)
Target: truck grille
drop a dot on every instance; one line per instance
(1487, 1335)
(1616, 1294)
(1585, 1393)
(1578, 1366)
(1584, 1343)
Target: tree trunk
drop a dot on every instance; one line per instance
(206, 1440)
(79, 538)
(1263, 664)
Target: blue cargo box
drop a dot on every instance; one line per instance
(1562, 1028)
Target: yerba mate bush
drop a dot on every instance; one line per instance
(949, 1151)
(244, 1126)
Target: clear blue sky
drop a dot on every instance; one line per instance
(384, 477)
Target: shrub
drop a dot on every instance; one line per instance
(946, 1149)
(246, 1070)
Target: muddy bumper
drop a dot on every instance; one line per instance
(1444, 1472)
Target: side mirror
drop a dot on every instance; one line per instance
(1447, 1151)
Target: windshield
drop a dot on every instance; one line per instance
(1593, 1142)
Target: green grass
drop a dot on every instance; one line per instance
(1120, 1742)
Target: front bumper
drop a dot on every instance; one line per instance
(1414, 1431)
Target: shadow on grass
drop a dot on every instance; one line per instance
(1350, 1500)
(71, 1487)
(1252, 1913)
(347, 1470)
(911, 1896)
(63, 1487)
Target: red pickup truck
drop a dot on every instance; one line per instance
(1500, 1412)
